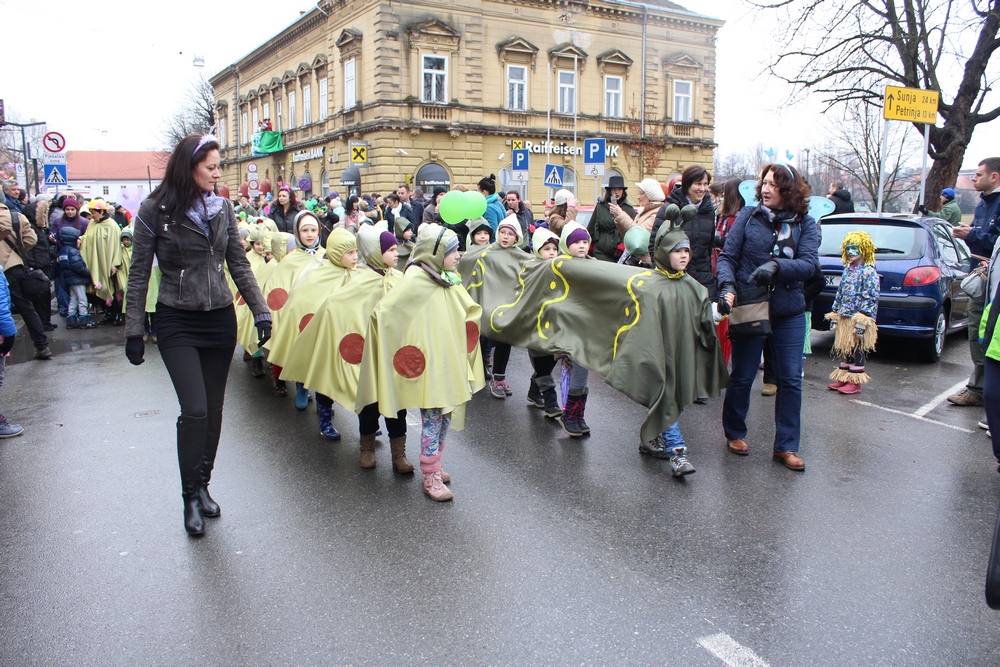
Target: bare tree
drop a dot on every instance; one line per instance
(847, 51)
(745, 165)
(195, 116)
(11, 150)
(854, 153)
(644, 154)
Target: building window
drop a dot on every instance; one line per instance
(306, 105)
(222, 132)
(567, 92)
(350, 90)
(244, 137)
(517, 83)
(324, 98)
(435, 81)
(682, 101)
(267, 110)
(277, 105)
(291, 110)
(106, 190)
(256, 119)
(613, 96)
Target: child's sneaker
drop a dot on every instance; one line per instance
(679, 464)
(654, 448)
(8, 430)
(498, 388)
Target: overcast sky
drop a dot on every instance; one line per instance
(107, 73)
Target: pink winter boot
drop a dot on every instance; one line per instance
(434, 486)
(850, 389)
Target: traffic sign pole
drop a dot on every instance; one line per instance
(910, 105)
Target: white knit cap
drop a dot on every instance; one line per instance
(563, 196)
(651, 187)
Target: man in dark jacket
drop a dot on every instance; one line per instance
(981, 235)
(416, 207)
(841, 198)
(602, 227)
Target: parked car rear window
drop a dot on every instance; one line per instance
(892, 241)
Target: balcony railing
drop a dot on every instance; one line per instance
(614, 126)
(517, 120)
(431, 112)
(681, 130)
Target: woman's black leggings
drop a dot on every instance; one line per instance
(501, 355)
(368, 422)
(199, 375)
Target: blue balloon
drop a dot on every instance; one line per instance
(749, 191)
(820, 206)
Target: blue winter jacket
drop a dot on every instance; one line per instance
(7, 326)
(72, 268)
(749, 244)
(495, 212)
(983, 235)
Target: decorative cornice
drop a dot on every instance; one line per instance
(517, 46)
(434, 33)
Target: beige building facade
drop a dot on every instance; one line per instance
(368, 94)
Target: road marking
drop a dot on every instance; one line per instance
(912, 416)
(730, 651)
(940, 398)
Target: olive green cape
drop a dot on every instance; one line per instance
(651, 337)
(246, 332)
(422, 343)
(101, 248)
(490, 270)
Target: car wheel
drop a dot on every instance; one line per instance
(933, 347)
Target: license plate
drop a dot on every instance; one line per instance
(833, 281)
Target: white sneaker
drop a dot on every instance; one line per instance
(983, 425)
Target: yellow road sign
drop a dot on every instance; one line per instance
(359, 154)
(911, 104)
(517, 144)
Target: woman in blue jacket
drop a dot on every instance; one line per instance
(495, 211)
(774, 243)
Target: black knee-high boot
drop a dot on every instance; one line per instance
(209, 507)
(190, 454)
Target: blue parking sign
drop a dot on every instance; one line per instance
(520, 159)
(594, 151)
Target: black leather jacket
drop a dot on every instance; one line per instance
(192, 266)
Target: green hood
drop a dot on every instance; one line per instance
(309, 217)
(339, 242)
(370, 247)
(567, 228)
(539, 238)
(664, 244)
(432, 240)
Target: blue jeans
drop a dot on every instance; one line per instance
(787, 337)
(673, 438)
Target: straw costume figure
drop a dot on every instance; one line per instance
(853, 313)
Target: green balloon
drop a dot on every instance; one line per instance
(475, 204)
(452, 208)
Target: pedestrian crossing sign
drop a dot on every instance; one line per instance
(554, 175)
(55, 174)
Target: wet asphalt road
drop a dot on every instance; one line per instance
(554, 552)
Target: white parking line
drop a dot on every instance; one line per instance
(939, 399)
(912, 416)
(730, 651)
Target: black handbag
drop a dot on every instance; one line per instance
(36, 282)
(751, 313)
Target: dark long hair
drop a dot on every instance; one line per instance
(293, 201)
(178, 191)
(732, 199)
(792, 187)
(488, 184)
(692, 175)
(352, 205)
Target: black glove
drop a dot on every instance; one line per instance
(134, 349)
(922, 209)
(764, 274)
(7, 344)
(263, 332)
(724, 307)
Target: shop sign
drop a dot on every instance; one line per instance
(311, 154)
(550, 148)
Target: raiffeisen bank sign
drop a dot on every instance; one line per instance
(549, 148)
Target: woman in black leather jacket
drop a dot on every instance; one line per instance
(194, 235)
(693, 189)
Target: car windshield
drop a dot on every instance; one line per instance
(892, 240)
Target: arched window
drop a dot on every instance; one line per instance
(432, 175)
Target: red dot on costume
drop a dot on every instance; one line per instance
(351, 348)
(240, 301)
(304, 322)
(471, 336)
(409, 362)
(277, 298)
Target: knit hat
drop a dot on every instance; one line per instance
(244, 233)
(70, 202)
(387, 240)
(637, 241)
(126, 233)
(681, 245)
(948, 192)
(651, 187)
(562, 197)
(576, 235)
(439, 190)
(513, 224)
(451, 245)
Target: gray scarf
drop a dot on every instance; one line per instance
(204, 209)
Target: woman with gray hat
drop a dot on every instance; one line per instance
(602, 223)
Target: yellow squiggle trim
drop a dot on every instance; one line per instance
(625, 328)
(546, 304)
(511, 305)
(482, 273)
